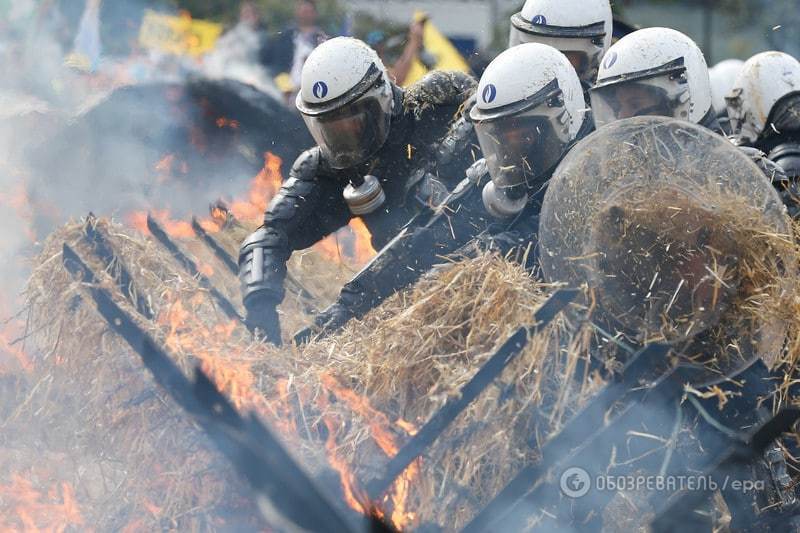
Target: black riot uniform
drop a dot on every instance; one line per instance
(780, 141)
(429, 147)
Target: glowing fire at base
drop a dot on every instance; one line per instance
(27, 509)
(379, 423)
(352, 244)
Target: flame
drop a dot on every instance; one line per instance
(352, 244)
(362, 246)
(188, 334)
(386, 440)
(233, 375)
(18, 200)
(174, 228)
(26, 508)
(262, 189)
(223, 122)
(8, 347)
(165, 164)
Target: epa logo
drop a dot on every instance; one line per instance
(575, 482)
(489, 93)
(320, 89)
(539, 20)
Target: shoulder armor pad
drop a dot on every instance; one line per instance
(439, 88)
(307, 164)
(787, 156)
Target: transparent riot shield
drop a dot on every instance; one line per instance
(679, 237)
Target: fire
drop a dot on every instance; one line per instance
(233, 375)
(174, 228)
(263, 187)
(189, 335)
(8, 347)
(352, 244)
(18, 200)
(223, 122)
(386, 440)
(26, 508)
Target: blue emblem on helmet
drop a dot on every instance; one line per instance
(320, 89)
(539, 20)
(489, 93)
(610, 59)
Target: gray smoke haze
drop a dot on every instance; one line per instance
(142, 131)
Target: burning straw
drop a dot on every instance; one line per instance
(344, 405)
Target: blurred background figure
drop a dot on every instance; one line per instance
(237, 54)
(414, 46)
(723, 75)
(286, 52)
(87, 47)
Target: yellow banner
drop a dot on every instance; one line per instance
(435, 43)
(181, 35)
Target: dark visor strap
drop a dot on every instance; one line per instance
(597, 29)
(372, 77)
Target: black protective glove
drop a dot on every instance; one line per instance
(262, 319)
(331, 319)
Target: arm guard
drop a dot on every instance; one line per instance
(262, 266)
(305, 210)
(787, 188)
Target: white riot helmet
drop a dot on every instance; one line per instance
(346, 99)
(529, 109)
(764, 79)
(655, 71)
(581, 29)
(723, 75)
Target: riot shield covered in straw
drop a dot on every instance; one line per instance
(679, 237)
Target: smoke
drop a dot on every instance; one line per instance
(109, 127)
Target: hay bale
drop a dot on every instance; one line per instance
(399, 365)
(348, 402)
(343, 405)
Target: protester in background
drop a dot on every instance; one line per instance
(413, 47)
(723, 75)
(237, 54)
(286, 53)
(87, 48)
(243, 42)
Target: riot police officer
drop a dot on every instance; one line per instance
(382, 153)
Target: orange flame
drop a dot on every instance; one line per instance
(223, 122)
(352, 244)
(263, 187)
(25, 508)
(385, 439)
(174, 228)
(9, 348)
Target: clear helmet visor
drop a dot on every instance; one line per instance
(521, 149)
(351, 134)
(665, 95)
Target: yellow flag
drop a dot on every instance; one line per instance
(181, 35)
(447, 56)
